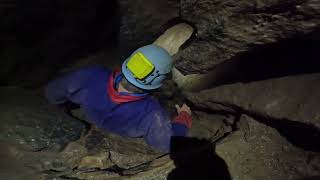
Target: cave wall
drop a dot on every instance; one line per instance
(264, 113)
(143, 21)
(227, 28)
(40, 37)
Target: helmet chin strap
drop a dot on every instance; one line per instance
(149, 83)
(154, 77)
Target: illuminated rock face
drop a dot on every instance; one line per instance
(227, 28)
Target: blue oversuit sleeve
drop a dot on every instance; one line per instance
(68, 87)
(161, 130)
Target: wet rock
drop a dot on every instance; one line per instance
(227, 28)
(257, 151)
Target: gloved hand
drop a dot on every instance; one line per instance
(184, 108)
(184, 115)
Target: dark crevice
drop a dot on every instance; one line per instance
(302, 135)
(295, 56)
(44, 36)
(114, 169)
(311, 178)
(136, 169)
(65, 177)
(225, 109)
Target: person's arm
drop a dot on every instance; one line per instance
(68, 87)
(161, 129)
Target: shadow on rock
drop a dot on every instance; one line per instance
(275, 60)
(311, 178)
(302, 135)
(196, 159)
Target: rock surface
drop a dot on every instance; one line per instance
(29, 127)
(227, 28)
(172, 39)
(29, 121)
(257, 151)
(292, 97)
(142, 21)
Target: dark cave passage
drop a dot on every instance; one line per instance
(41, 37)
(302, 135)
(289, 57)
(293, 56)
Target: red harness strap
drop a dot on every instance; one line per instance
(183, 118)
(114, 95)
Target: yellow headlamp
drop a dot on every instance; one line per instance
(140, 66)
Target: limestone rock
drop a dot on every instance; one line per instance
(29, 121)
(292, 97)
(174, 37)
(99, 161)
(257, 151)
(227, 28)
(210, 125)
(32, 132)
(141, 21)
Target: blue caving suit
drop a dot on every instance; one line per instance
(140, 118)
